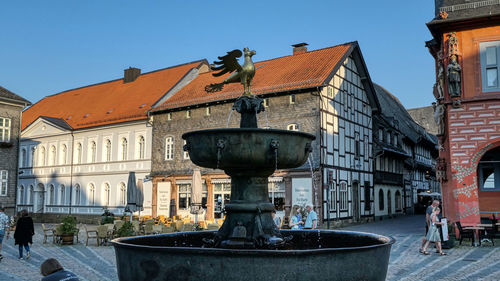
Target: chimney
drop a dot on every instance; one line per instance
(130, 74)
(299, 48)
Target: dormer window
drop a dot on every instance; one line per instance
(169, 116)
(207, 111)
(266, 102)
(188, 114)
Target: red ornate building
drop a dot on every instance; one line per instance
(466, 47)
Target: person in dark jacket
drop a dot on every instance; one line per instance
(53, 271)
(24, 234)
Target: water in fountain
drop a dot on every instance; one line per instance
(229, 117)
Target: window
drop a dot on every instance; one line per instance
(388, 139)
(395, 141)
(188, 114)
(62, 194)
(184, 196)
(78, 195)
(4, 129)
(398, 200)
(21, 195)
(123, 194)
(141, 144)
(343, 204)
(52, 195)
(52, 156)
(169, 116)
(107, 150)
(207, 111)
(23, 160)
(366, 153)
(292, 127)
(78, 152)
(93, 152)
(64, 152)
(107, 193)
(367, 196)
(266, 102)
(32, 160)
(357, 146)
(41, 156)
(489, 53)
(381, 200)
(30, 199)
(381, 135)
(292, 98)
(169, 148)
(124, 149)
(333, 197)
(186, 153)
(91, 196)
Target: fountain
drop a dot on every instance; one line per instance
(249, 246)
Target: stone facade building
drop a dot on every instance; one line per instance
(424, 116)
(11, 107)
(466, 48)
(326, 92)
(78, 146)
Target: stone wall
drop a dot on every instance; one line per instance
(9, 155)
(424, 116)
(278, 115)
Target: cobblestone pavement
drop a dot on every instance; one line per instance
(406, 263)
(98, 263)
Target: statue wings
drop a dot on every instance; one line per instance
(228, 63)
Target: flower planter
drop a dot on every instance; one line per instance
(67, 239)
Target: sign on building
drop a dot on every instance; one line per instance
(163, 195)
(302, 191)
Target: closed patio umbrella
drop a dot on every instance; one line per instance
(196, 193)
(131, 195)
(140, 196)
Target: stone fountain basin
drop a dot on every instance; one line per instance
(312, 255)
(246, 148)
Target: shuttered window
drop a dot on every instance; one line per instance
(490, 54)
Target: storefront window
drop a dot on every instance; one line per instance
(222, 194)
(277, 195)
(184, 196)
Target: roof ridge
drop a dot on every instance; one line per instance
(145, 73)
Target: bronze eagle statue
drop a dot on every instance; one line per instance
(229, 63)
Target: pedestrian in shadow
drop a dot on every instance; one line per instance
(23, 235)
(53, 271)
(433, 233)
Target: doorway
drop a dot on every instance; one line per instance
(222, 195)
(39, 199)
(389, 203)
(356, 202)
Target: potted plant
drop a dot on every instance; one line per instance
(107, 217)
(67, 230)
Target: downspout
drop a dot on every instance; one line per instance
(71, 173)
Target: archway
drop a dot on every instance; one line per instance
(39, 198)
(488, 182)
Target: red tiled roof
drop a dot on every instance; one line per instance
(306, 70)
(108, 102)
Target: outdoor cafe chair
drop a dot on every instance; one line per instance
(118, 224)
(167, 229)
(188, 227)
(148, 229)
(157, 228)
(58, 236)
(464, 233)
(48, 232)
(102, 234)
(77, 232)
(136, 227)
(91, 234)
(179, 225)
(212, 226)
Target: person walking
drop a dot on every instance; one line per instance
(295, 218)
(428, 213)
(312, 218)
(52, 270)
(4, 228)
(433, 233)
(24, 234)
(276, 219)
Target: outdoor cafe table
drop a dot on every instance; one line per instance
(475, 237)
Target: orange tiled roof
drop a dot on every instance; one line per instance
(108, 102)
(293, 72)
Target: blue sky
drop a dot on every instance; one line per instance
(50, 46)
